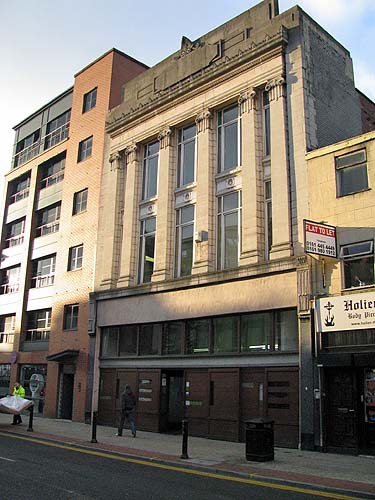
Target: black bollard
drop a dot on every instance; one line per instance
(93, 436)
(31, 417)
(185, 433)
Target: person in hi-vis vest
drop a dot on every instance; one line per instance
(18, 390)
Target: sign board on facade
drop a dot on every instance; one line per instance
(320, 238)
(347, 312)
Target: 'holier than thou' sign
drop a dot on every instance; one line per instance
(347, 312)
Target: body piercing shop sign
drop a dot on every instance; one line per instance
(320, 239)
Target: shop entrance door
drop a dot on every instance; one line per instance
(341, 413)
(172, 400)
(67, 396)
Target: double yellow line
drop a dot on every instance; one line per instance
(184, 470)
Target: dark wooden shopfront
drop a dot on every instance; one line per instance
(216, 402)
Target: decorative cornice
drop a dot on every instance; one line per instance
(203, 121)
(249, 57)
(165, 137)
(246, 100)
(275, 88)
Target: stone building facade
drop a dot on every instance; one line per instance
(202, 291)
(48, 240)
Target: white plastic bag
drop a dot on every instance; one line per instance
(14, 404)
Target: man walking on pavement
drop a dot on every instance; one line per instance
(128, 402)
(18, 390)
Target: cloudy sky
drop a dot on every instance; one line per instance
(42, 44)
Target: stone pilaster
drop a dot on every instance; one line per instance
(251, 237)
(130, 225)
(110, 246)
(163, 265)
(281, 216)
(204, 257)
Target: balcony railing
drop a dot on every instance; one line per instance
(51, 227)
(38, 335)
(9, 288)
(24, 193)
(52, 179)
(41, 281)
(6, 338)
(56, 136)
(41, 145)
(14, 241)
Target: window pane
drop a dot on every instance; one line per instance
(152, 149)
(230, 202)
(231, 240)
(286, 335)
(188, 162)
(358, 272)
(362, 248)
(150, 225)
(128, 340)
(188, 132)
(152, 177)
(109, 342)
(197, 336)
(352, 179)
(172, 338)
(256, 332)
(351, 159)
(225, 334)
(187, 214)
(149, 258)
(230, 114)
(187, 249)
(267, 132)
(230, 146)
(149, 339)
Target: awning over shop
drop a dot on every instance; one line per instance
(63, 355)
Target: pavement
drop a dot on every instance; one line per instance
(345, 473)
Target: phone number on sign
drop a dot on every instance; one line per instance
(321, 248)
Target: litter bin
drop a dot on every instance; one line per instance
(259, 439)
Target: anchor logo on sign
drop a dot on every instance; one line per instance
(329, 320)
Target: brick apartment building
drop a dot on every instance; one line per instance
(48, 239)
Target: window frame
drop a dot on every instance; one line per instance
(267, 217)
(39, 278)
(220, 225)
(51, 226)
(35, 332)
(147, 158)
(75, 262)
(89, 100)
(71, 313)
(178, 239)
(361, 255)
(85, 149)
(339, 169)
(80, 204)
(221, 128)
(143, 235)
(266, 124)
(181, 146)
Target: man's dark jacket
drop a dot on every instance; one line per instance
(128, 400)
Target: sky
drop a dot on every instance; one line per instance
(43, 44)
